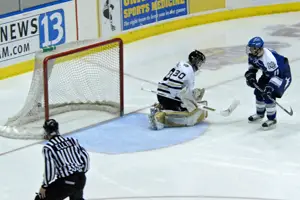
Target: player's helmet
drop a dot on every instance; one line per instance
(255, 47)
(196, 58)
(51, 127)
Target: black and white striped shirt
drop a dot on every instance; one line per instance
(63, 157)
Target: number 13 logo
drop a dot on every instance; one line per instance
(52, 28)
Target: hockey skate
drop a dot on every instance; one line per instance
(255, 118)
(269, 124)
(154, 123)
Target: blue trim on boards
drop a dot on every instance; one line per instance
(131, 134)
(33, 8)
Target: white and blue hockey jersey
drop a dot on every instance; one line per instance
(274, 66)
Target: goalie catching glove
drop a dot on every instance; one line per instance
(198, 94)
(190, 98)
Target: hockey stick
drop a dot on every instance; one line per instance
(290, 113)
(224, 113)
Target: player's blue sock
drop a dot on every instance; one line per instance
(271, 109)
(260, 106)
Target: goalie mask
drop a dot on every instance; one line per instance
(50, 127)
(196, 58)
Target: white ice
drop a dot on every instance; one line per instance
(232, 158)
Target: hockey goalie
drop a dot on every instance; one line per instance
(177, 98)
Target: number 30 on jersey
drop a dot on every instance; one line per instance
(52, 28)
(175, 73)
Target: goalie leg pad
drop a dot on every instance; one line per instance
(204, 102)
(179, 119)
(157, 120)
(161, 120)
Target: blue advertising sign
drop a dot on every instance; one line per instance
(137, 13)
(52, 28)
(171, 9)
(24, 35)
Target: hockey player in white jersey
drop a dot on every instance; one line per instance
(177, 96)
(276, 78)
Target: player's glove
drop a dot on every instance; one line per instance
(198, 94)
(268, 92)
(250, 78)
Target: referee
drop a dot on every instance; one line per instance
(66, 161)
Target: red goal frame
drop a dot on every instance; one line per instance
(103, 43)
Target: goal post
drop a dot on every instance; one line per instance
(82, 75)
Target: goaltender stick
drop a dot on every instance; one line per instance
(177, 96)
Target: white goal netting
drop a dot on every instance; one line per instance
(82, 75)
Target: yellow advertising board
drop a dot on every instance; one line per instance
(196, 6)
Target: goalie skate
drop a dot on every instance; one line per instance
(269, 124)
(255, 118)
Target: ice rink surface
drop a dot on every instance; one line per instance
(231, 159)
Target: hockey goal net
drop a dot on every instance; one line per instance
(82, 75)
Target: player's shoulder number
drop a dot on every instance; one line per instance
(175, 73)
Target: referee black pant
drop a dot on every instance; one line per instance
(71, 186)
